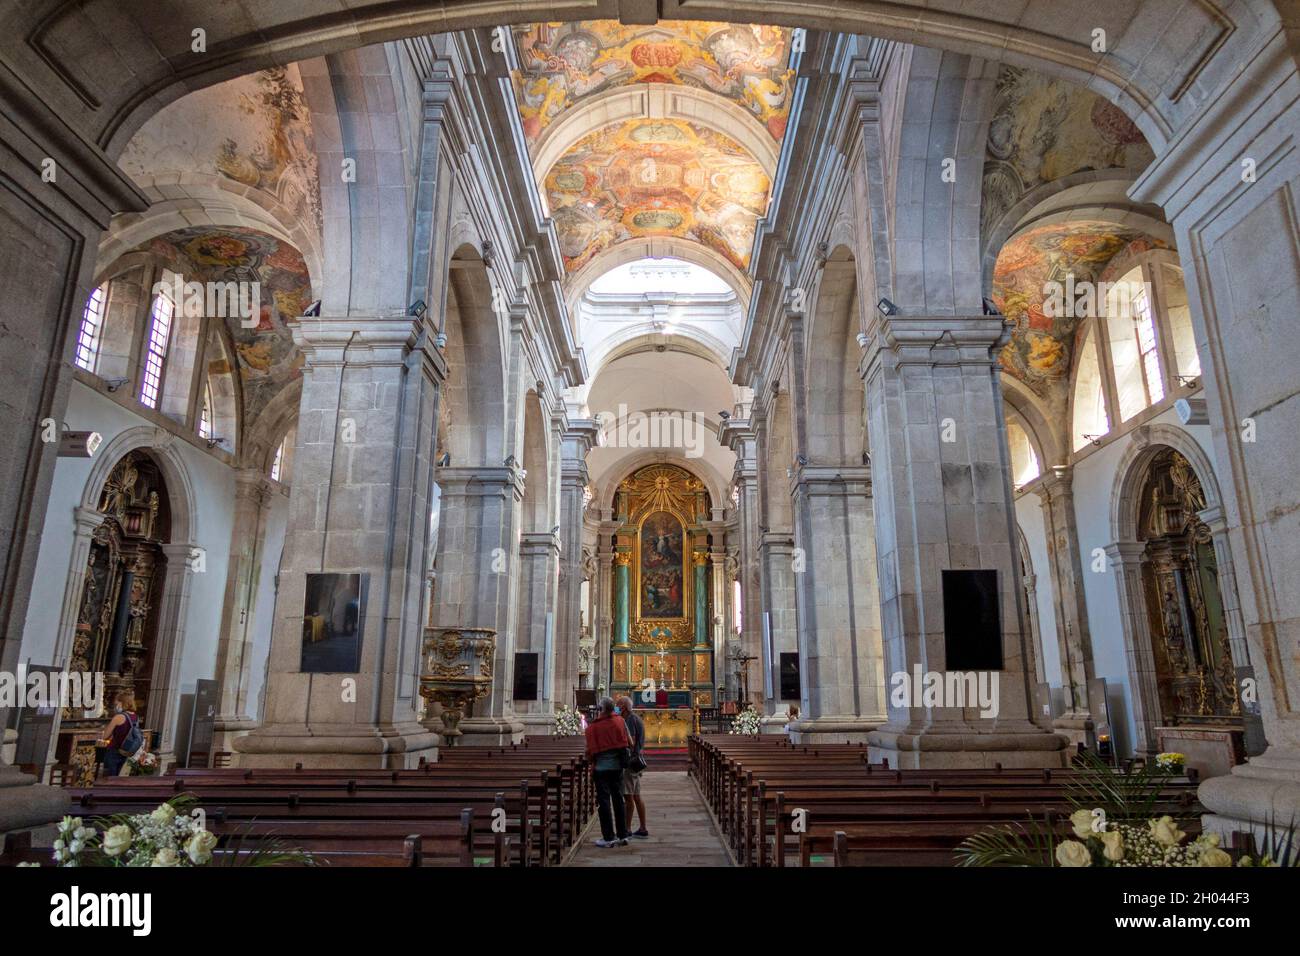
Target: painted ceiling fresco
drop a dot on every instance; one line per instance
(562, 64)
(1044, 129)
(255, 130)
(1042, 346)
(267, 357)
(656, 178)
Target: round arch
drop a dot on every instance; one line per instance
(665, 247)
(625, 468)
(474, 399)
(1145, 442)
(161, 446)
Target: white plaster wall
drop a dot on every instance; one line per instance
(214, 492)
(1095, 479)
(1029, 515)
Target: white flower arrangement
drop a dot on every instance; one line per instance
(164, 837)
(1158, 844)
(568, 722)
(747, 723)
(1171, 762)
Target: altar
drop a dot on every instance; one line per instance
(661, 608)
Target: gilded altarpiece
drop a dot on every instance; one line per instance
(117, 621)
(1194, 665)
(663, 545)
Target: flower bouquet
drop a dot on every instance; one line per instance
(143, 764)
(748, 722)
(568, 722)
(1171, 762)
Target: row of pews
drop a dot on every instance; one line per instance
(517, 806)
(778, 804)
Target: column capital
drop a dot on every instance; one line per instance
(1125, 554)
(1056, 483)
(539, 542)
(468, 480)
(87, 520)
(358, 340)
(939, 339)
(831, 481)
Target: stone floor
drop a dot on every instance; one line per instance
(681, 831)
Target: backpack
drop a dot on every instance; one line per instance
(134, 738)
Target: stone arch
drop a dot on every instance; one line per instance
(474, 397)
(203, 199)
(161, 446)
(715, 483)
(662, 247)
(1145, 441)
(643, 335)
(836, 399)
(777, 509)
(1039, 424)
(655, 101)
(264, 434)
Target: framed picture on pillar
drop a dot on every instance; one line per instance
(333, 620)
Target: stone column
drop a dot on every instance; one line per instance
(1072, 633)
(183, 562)
(740, 436)
(1144, 695)
(602, 618)
(244, 571)
(622, 570)
(477, 561)
(945, 504)
(840, 651)
(362, 488)
(538, 576)
(578, 439)
(777, 555)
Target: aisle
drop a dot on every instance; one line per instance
(681, 831)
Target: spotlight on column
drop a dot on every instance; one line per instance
(113, 384)
(79, 444)
(440, 340)
(445, 460)
(885, 307)
(725, 416)
(417, 309)
(863, 341)
(313, 310)
(990, 307)
(214, 441)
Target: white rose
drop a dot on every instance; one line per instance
(1081, 821)
(1114, 845)
(199, 848)
(1214, 857)
(164, 814)
(1073, 853)
(117, 839)
(1165, 832)
(166, 857)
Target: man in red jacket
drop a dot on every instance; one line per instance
(607, 743)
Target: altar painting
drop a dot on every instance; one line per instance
(663, 567)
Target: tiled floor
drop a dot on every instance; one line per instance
(681, 831)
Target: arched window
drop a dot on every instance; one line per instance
(205, 413)
(1090, 418)
(1024, 460)
(277, 463)
(91, 333)
(1134, 344)
(155, 355)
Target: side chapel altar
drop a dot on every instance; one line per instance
(661, 650)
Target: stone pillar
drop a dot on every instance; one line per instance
(477, 558)
(740, 436)
(840, 651)
(578, 439)
(1072, 633)
(1144, 695)
(244, 571)
(538, 575)
(183, 560)
(777, 554)
(362, 488)
(945, 504)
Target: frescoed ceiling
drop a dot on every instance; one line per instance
(562, 64)
(656, 178)
(1043, 130)
(268, 359)
(619, 178)
(1042, 346)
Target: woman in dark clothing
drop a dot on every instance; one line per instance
(124, 718)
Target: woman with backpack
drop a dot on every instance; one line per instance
(123, 737)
